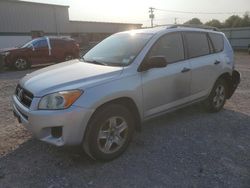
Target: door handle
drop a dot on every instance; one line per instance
(185, 69)
(217, 62)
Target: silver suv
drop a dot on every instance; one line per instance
(98, 101)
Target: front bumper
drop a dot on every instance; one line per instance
(73, 122)
(5, 60)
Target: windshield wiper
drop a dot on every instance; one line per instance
(102, 63)
(94, 62)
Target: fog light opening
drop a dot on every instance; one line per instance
(56, 132)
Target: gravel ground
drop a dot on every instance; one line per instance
(186, 148)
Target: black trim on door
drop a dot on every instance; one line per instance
(184, 43)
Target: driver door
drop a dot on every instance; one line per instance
(40, 53)
(164, 88)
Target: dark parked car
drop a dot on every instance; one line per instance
(40, 51)
(249, 48)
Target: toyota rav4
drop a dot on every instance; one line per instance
(100, 100)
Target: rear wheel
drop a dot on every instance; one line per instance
(68, 57)
(109, 133)
(217, 97)
(20, 63)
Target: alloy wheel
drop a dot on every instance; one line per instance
(20, 63)
(219, 97)
(112, 135)
(68, 57)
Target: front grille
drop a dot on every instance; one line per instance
(24, 96)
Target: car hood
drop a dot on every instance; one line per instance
(7, 49)
(69, 75)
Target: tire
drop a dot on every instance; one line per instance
(217, 97)
(68, 57)
(109, 132)
(20, 63)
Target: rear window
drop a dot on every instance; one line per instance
(218, 42)
(197, 44)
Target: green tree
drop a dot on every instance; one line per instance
(194, 21)
(245, 20)
(233, 21)
(214, 23)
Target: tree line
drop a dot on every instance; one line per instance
(232, 21)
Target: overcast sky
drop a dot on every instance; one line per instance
(136, 11)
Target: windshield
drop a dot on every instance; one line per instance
(26, 45)
(30, 43)
(117, 50)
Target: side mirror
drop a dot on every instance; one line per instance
(153, 62)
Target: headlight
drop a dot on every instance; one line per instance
(59, 100)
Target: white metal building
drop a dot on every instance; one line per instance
(20, 20)
(238, 37)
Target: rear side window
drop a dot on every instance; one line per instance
(218, 42)
(170, 46)
(197, 44)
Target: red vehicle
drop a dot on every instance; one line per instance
(40, 51)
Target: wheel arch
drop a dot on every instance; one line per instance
(232, 81)
(126, 102)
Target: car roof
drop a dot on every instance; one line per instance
(61, 38)
(55, 38)
(176, 27)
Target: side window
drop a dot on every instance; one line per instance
(217, 41)
(41, 44)
(170, 46)
(197, 44)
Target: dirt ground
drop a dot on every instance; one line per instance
(12, 134)
(186, 148)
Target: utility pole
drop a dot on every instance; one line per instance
(175, 20)
(151, 15)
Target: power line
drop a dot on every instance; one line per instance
(188, 12)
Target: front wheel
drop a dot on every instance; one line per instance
(20, 63)
(109, 132)
(217, 97)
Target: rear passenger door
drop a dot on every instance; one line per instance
(167, 87)
(217, 42)
(58, 50)
(203, 62)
